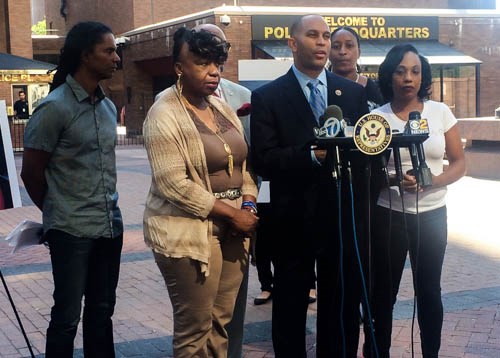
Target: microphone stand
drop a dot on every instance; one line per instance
(347, 143)
(368, 176)
(344, 145)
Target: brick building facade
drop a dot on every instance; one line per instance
(15, 40)
(125, 15)
(148, 27)
(148, 68)
(15, 28)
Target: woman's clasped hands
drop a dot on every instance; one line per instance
(244, 222)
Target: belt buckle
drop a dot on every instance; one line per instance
(230, 194)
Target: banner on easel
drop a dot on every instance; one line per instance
(10, 196)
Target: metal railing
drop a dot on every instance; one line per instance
(17, 126)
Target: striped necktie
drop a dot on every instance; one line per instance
(316, 99)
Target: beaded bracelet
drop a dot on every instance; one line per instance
(249, 204)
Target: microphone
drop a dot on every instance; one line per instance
(417, 125)
(330, 123)
(331, 126)
(398, 167)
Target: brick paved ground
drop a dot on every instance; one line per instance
(143, 318)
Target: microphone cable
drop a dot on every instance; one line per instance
(407, 236)
(414, 265)
(389, 245)
(415, 268)
(17, 315)
(360, 264)
(341, 266)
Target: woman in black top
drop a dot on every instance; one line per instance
(344, 55)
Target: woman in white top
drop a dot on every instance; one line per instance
(414, 220)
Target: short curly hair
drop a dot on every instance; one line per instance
(389, 66)
(202, 43)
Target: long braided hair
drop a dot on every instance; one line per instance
(80, 39)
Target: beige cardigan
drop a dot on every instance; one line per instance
(176, 222)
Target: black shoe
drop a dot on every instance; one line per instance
(262, 298)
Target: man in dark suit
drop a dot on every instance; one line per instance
(303, 195)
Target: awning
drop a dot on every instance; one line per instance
(373, 52)
(13, 62)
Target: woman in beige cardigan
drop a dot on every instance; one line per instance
(201, 204)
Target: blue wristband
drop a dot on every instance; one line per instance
(249, 204)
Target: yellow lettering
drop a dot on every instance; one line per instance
(425, 33)
(267, 31)
(279, 32)
(382, 33)
(373, 33)
(329, 20)
(377, 21)
(363, 33)
(276, 32)
(351, 21)
(391, 33)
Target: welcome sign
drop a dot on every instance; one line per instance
(274, 27)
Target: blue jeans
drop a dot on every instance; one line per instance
(426, 256)
(83, 267)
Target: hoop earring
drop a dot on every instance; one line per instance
(178, 84)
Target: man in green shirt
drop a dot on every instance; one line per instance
(69, 171)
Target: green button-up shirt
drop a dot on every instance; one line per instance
(81, 196)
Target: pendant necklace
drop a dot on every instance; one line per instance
(227, 148)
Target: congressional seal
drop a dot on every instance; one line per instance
(372, 134)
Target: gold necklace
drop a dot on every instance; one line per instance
(227, 148)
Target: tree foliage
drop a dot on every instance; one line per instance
(39, 28)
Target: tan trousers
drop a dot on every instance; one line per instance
(203, 306)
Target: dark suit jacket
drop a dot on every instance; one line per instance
(282, 133)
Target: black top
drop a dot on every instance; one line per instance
(21, 109)
(373, 95)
